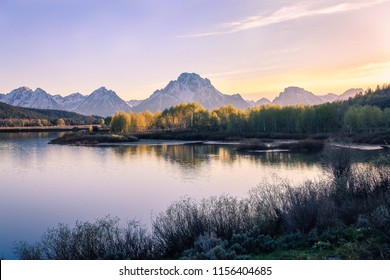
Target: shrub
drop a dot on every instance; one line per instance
(178, 227)
(104, 239)
(353, 222)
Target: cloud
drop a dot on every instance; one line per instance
(369, 69)
(284, 14)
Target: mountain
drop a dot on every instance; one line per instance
(26, 97)
(134, 102)
(296, 96)
(189, 87)
(102, 102)
(349, 93)
(330, 97)
(70, 102)
(262, 101)
(379, 97)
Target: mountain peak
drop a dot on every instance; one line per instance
(189, 87)
(184, 77)
(295, 95)
(102, 91)
(294, 90)
(193, 80)
(102, 102)
(350, 93)
(23, 88)
(40, 91)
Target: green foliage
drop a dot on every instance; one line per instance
(353, 116)
(380, 97)
(364, 118)
(12, 116)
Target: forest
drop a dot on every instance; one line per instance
(365, 114)
(12, 116)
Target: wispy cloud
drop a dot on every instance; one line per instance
(266, 67)
(284, 14)
(370, 69)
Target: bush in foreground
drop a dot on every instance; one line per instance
(324, 219)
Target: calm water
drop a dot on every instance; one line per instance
(42, 185)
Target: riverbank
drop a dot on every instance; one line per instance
(377, 138)
(106, 139)
(69, 128)
(83, 138)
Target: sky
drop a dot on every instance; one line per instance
(252, 47)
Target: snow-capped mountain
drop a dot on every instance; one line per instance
(102, 102)
(26, 97)
(70, 102)
(189, 87)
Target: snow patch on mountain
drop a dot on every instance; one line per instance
(190, 87)
(26, 97)
(134, 102)
(70, 102)
(102, 102)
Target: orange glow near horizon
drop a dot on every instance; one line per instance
(255, 48)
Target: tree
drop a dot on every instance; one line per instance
(60, 122)
(120, 122)
(386, 117)
(353, 119)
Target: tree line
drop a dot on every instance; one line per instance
(334, 117)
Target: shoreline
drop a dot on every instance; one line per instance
(45, 128)
(177, 139)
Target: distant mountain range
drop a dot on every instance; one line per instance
(101, 102)
(189, 87)
(296, 96)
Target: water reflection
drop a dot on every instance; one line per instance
(42, 185)
(194, 156)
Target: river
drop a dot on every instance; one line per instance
(42, 185)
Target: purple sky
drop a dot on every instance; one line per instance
(256, 48)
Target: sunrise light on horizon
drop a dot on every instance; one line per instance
(255, 48)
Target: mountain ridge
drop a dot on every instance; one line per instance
(188, 87)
